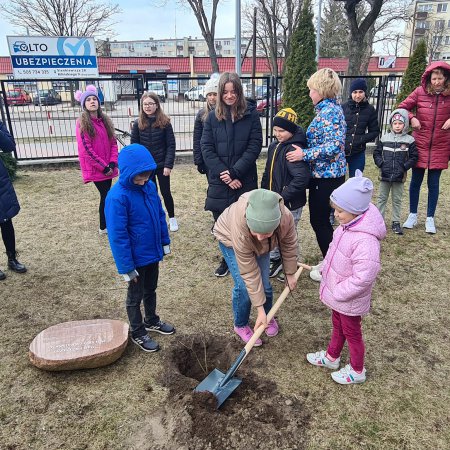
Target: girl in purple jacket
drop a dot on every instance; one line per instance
(349, 271)
(97, 147)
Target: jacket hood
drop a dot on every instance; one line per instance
(404, 114)
(133, 160)
(371, 222)
(297, 139)
(433, 66)
(251, 104)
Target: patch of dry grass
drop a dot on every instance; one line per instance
(405, 403)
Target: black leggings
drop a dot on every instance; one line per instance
(8, 236)
(320, 190)
(103, 187)
(164, 186)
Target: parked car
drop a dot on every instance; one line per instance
(195, 93)
(261, 106)
(18, 96)
(47, 97)
(158, 88)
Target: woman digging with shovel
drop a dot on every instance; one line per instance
(247, 231)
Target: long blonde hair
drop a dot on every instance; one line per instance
(239, 108)
(161, 119)
(86, 123)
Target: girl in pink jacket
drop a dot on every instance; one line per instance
(97, 147)
(350, 269)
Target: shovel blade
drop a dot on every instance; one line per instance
(212, 383)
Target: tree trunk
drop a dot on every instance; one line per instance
(356, 51)
(213, 55)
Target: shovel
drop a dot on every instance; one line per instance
(222, 385)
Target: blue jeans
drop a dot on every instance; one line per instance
(433, 189)
(240, 298)
(355, 162)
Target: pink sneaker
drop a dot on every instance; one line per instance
(246, 333)
(273, 328)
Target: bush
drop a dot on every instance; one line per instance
(10, 163)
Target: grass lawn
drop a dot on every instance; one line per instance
(405, 403)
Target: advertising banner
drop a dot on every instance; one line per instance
(47, 57)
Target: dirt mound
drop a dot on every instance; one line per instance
(254, 416)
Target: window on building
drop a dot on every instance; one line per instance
(439, 24)
(437, 40)
(442, 7)
(227, 52)
(447, 40)
(423, 24)
(425, 8)
(226, 42)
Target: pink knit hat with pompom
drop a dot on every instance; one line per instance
(82, 96)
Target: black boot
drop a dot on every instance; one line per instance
(15, 265)
(2, 275)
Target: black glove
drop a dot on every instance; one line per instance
(201, 168)
(112, 165)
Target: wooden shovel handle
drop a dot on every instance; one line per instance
(272, 312)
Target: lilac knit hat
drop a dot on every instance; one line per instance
(82, 96)
(354, 195)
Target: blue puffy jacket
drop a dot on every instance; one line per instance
(136, 221)
(9, 205)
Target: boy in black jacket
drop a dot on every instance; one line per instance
(395, 154)
(289, 179)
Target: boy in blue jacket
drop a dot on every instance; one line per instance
(139, 238)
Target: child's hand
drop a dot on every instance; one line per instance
(291, 281)
(261, 319)
(235, 184)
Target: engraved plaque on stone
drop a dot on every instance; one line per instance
(82, 344)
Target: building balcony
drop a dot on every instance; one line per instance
(419, 31)
(421, 15)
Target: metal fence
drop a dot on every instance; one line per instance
(42, 114)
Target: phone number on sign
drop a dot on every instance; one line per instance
(34, 72)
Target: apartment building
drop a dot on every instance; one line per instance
(430, 20)
(181, 47)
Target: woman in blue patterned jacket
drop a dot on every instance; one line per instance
(325, 154)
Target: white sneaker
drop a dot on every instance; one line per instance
(348, 376)
(315, 273)
(173, 224)
(100, 231)
(320, 359)
(411, 221)
(429, 225)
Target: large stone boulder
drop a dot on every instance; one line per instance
(82, 344)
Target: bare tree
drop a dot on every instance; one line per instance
(358, 42)
(61, 17)
(276, 21)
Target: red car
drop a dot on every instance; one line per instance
(261, 106)
(18, 97)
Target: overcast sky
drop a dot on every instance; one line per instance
(141, 21)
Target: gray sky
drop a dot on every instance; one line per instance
(141, 21)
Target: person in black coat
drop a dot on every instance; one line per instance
(154, 131)
(210, 91)
(9, 205)
(289, 179)
(231, 143)
(362, 126)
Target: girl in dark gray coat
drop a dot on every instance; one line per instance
(9, 205)
(231, 143)
(154, 131)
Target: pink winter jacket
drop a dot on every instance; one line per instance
(352, 263)
(96, 153)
